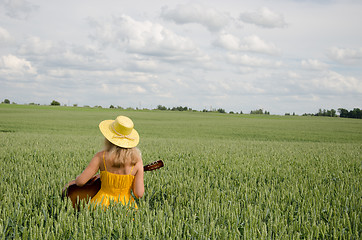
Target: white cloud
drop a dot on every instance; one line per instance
(210, 18)
(143, 65)
(122, 89)
(251, 61)
(314, 64)
(4, 35)
(345, 55)
(264, 17)
(336, 83)
(61, 73)
(62, 54)
(293, 75)
(36, 46)
(254, 43)
(228, 41)
(145, 38)
(14, 66)
(326, 83)
(250, 43)
(70, 59)
(19, 9)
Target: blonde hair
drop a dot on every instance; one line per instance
(120, 156)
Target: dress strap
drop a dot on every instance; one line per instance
(131, 170)
(104, 162)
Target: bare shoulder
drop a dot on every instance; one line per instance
(98, 157)
(99, 154)
(139, 165)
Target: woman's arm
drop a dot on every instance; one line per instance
(138, 187)
(90, 170)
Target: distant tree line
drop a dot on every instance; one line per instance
(355, 113)
(326, 113)
(344, 113)
(219, 110)
(259, 111)
(180, 108)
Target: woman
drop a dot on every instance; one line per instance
(120, 164)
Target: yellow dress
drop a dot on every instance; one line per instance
(114, 188)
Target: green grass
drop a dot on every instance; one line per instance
(225, 176)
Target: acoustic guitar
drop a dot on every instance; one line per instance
(90, 189)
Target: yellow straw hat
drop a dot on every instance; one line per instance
(120, 132)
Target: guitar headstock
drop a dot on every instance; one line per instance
(153, 166)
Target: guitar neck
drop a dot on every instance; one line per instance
(153, 166)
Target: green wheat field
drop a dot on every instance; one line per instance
(226, 176)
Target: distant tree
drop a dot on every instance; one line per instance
(111, 106)
(333, 113)
(355, 113)
(75, 105)
(343, 112)
(221, 110)
(329, 113)
(162, 108)
(287, 114)
(55, 103)
(259, 111)
(180, 108)
(7, 101)
(326, 113)
(241, 112)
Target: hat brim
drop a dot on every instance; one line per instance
(107, 131)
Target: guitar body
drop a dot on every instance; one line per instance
(91, 188)
(86, 192)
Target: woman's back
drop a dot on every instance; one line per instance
(125, 168)
(115, 187)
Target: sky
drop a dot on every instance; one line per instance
(282, 56)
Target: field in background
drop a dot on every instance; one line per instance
(225, 176)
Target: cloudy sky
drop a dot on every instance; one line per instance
(278, 55)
